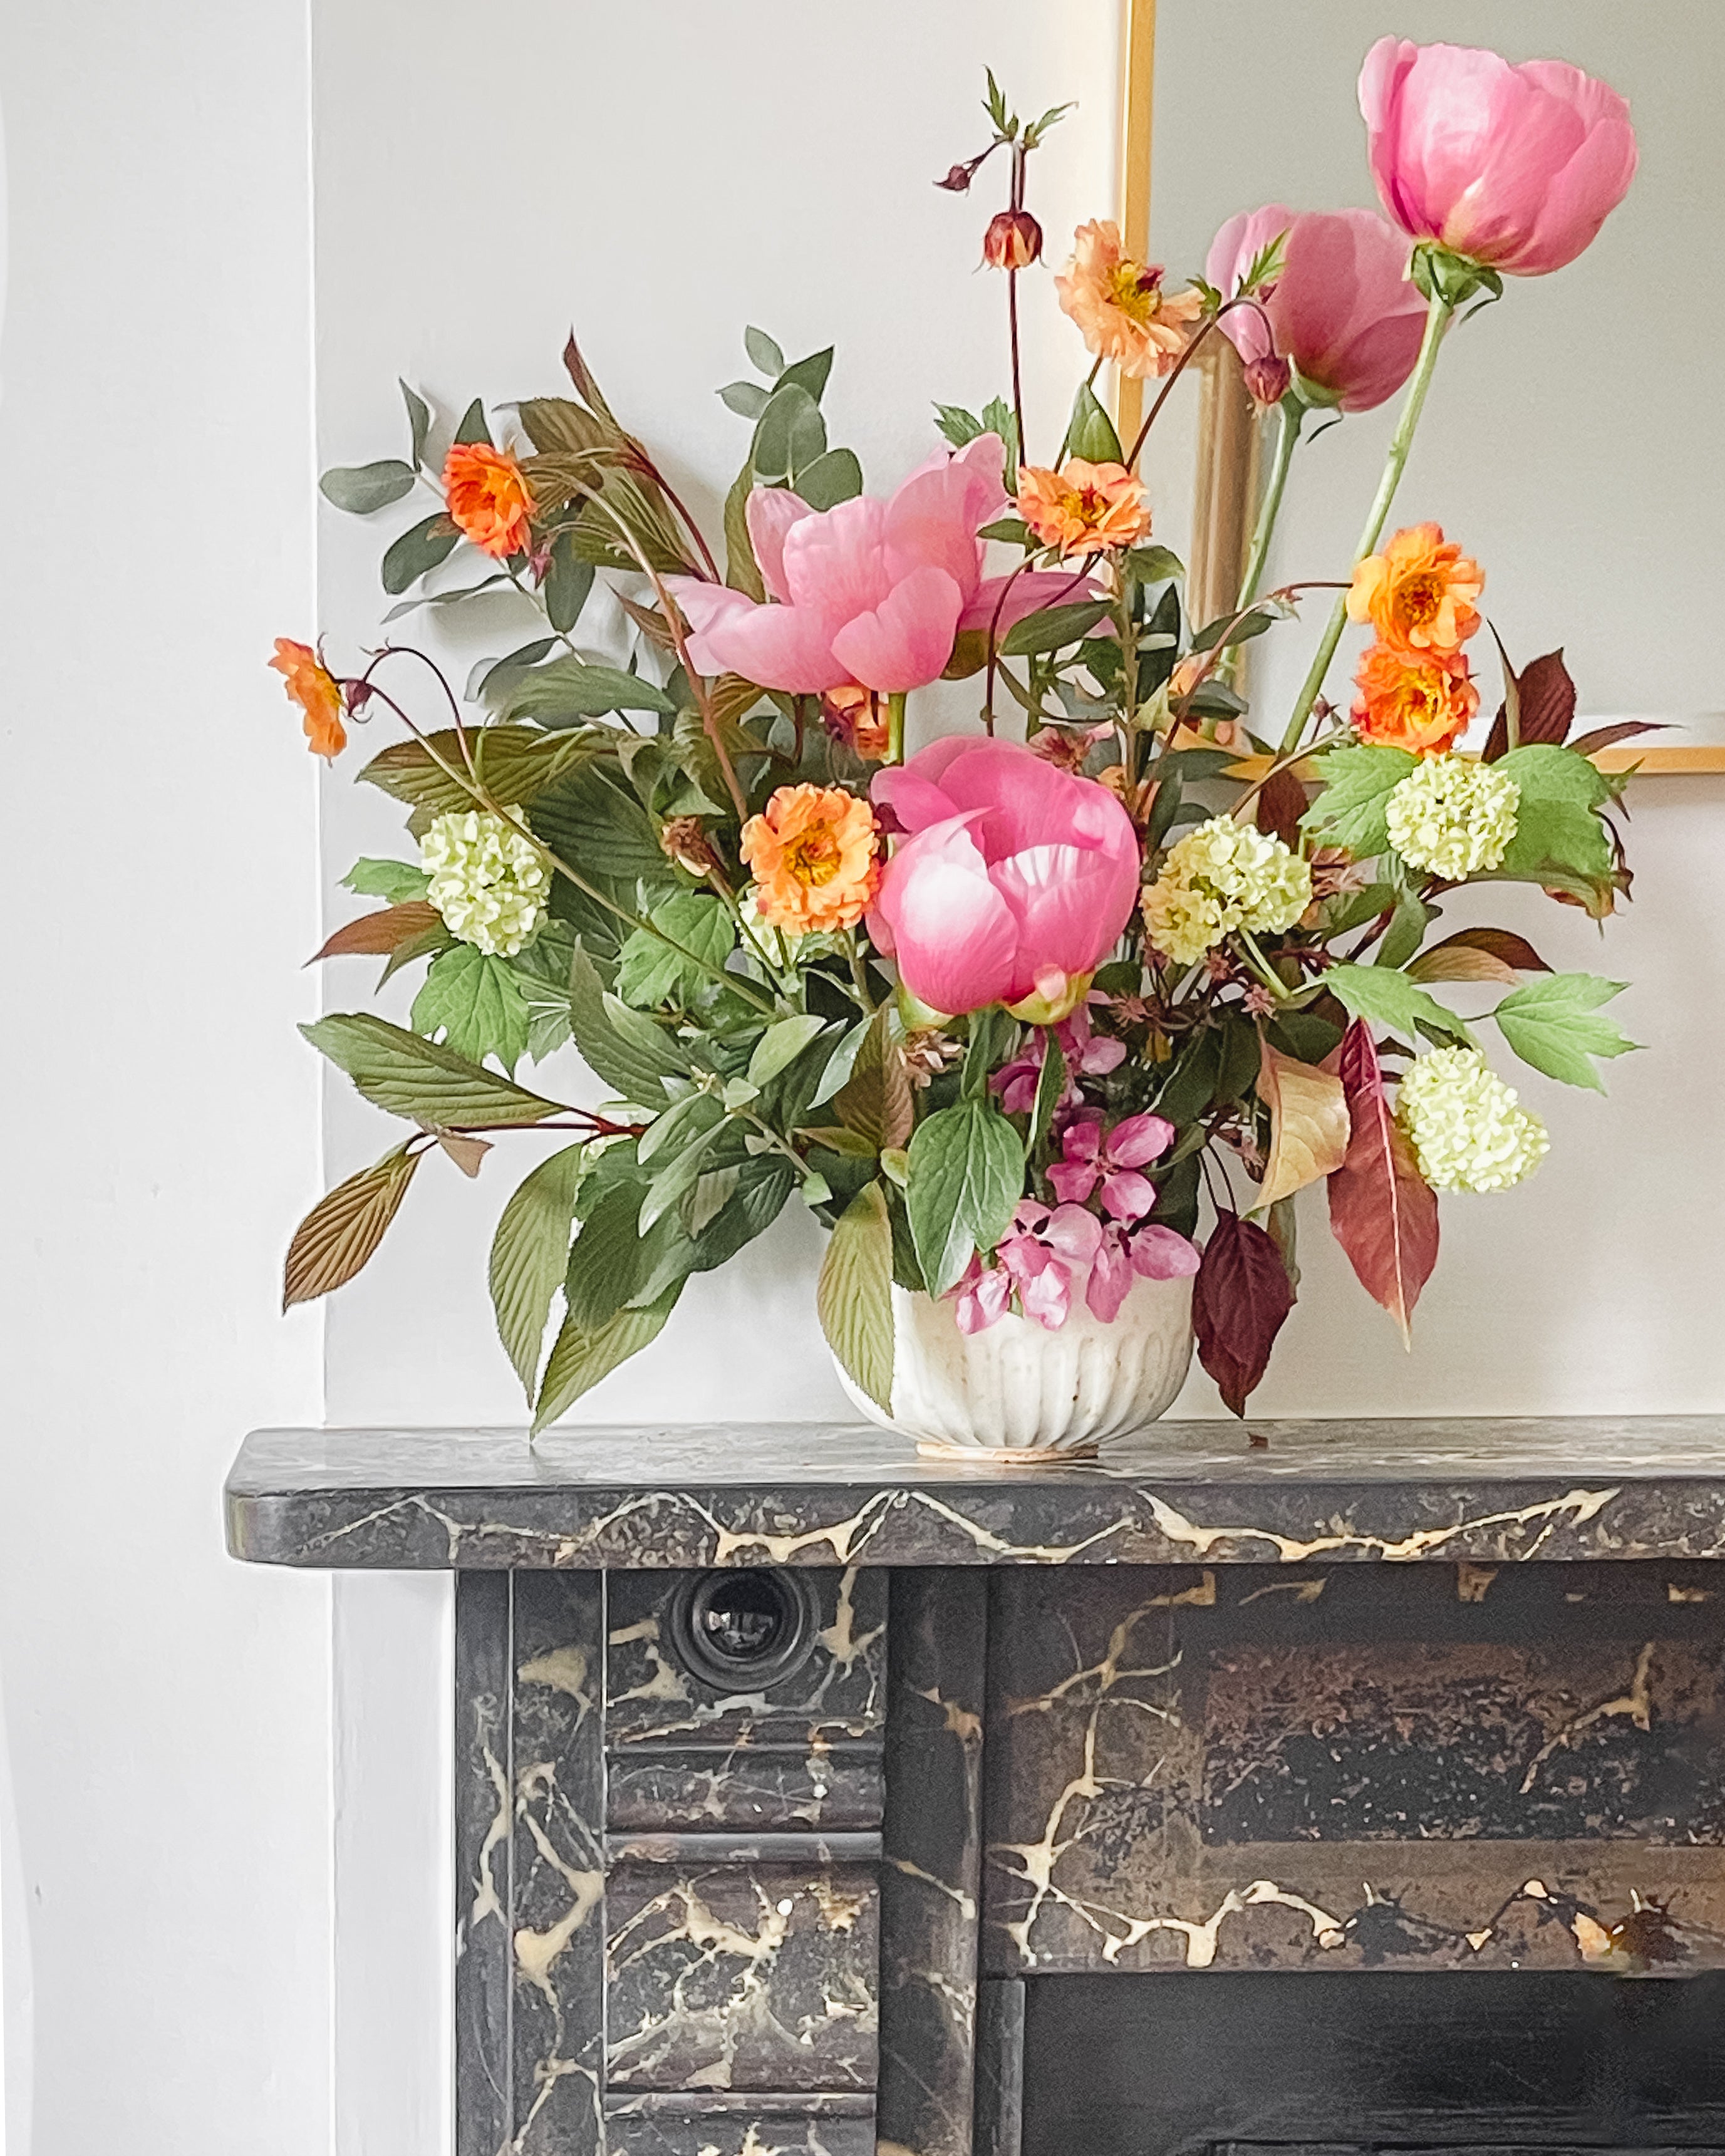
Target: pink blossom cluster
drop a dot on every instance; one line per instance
(1054, 1254)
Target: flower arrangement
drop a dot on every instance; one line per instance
(1081, 997)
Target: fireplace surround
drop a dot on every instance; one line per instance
(810, 1797)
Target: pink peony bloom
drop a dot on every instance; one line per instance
(1014, 881)
(1517, 167)
(1152, 1252)
(872, 593)
(1341, 308)
(1113, 1162)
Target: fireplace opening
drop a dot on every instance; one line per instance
(1242, 2063)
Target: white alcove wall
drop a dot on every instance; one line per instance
(659, 178)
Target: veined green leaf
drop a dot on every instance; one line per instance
(571, 689)
(780, 1046)
(395, 881)
(652, 971)
(580, 1358)
(529, 1254)
(967, 1175)
(473, 999)
(1352, 809)
(514, 762)
(853, 1295)
(397, 1071)
(1550, 1023)
(628, 1051)
(1389, 997)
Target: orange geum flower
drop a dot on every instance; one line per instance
(1119, 306)
(1419, 592)
(813, 852)
(316, 691)
(1419, 700)
(1083, 508)
(490, 502)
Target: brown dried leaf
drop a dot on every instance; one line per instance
(376, 935)
(1308, 1124)
(466, 1152)
(1281, 802)
(340, 1233)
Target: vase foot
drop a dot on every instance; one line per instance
(1005, 1455)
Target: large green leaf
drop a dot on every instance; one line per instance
(1052, 628)
(874, 1101)
(1387, 998)
(780, 1046)
(628, 1051)
(398, 1071)
(854, 1295)
(580, 1356)
(420, 549)
(756, 1201)
(475, 1001)
(611, 1259)
(587, 819)
(514, 762)
(741, 571)
(362, 489)
(967, 1174)
(790, 435)
(1560, 840)
(571, 689)
(530, 1255)
(567, 582)
(652, 972)
(342, 1231)
(1550, 1023)
(1351, 808)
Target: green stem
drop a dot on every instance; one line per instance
(1289, 418)
(895, 727)
(1261, 967)
(1437, 320)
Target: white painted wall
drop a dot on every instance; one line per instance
(167, 1712)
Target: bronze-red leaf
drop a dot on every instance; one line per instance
(1240, 1299)
(1382, 1212)
(376, 935)
(1281, 802)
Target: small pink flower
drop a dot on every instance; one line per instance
(1087, 1055)
(1152, 1252)
(1048, 1257)
(983, 1294)
(1113, 1162)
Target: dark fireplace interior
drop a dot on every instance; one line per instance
(1244, 2063)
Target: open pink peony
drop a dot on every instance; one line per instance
(873, 593)
(1015, 881)
(1517, 167)
(1341, 308)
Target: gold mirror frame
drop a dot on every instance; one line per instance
(1225, 481)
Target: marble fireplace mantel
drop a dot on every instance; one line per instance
(787, 1765)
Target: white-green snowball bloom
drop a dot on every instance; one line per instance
(488, 883)
(1223, 876)
(1453, 816)
(1468, 1130)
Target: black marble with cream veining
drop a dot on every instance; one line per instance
(1491, 1491)
(1409, 1696)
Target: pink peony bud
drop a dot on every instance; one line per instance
(1515, 167)
(1267, 377)
(1341, 308)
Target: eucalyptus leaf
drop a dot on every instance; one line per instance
(418, 421)
(419, 551)
(764, 354)
(567, 582)
(790, 435)
(473, 428)
(831, 478)
(1052, 629)
(363, 489)
(748, 399)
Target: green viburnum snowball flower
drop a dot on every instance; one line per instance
(1222, 877)
(1467, 1128)
(486, 881)
(1453, 816)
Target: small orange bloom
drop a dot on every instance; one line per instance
(858, 718)
(316, 691)
(812, 854)
(490, 502)
(1119, 306)
(1083, 508)
(1419, 592)
(1419, 700)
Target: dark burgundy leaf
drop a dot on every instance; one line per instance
(1382, 1212)
(1281, 802)
(1515, 951)
(1609, 737)
(1547, 700)
(1239, 1300)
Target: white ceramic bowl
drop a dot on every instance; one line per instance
(1018, 1389)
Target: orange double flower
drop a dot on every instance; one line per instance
(1416, 690)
